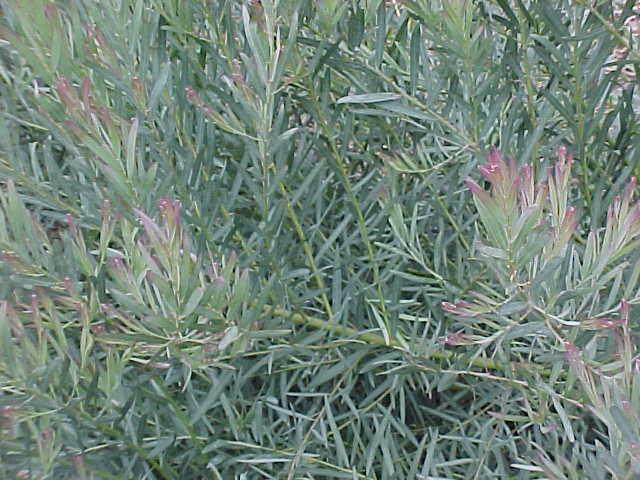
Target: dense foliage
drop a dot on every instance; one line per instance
(250, 239)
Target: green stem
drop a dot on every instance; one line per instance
(307, 250)
(362, 226)
(379, 341)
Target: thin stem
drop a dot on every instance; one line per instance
(377, 340)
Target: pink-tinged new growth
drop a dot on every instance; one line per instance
(86, 98)
(74, 127)
(448, 307)
(236, 74)
(192, 96)
(634, 448)
(170, 211)
(108, 309)
(105, 209)
(11, 259)
(138, 90)
(71, 223)
(473, 186)
(606, 322)
(624, 311)
(207, 110)
(68, 286)
(504, 179)
(454, 339)
(67, 94)
(626, 217)
(563, 167)
(46, 434)
(194, 99)
(477, 191)
(116, 263)
(7, 417)
(572, 354)
(570, 222)
(493, 171)
(461, 309)
(615, 205)
(635, 214)
(136, 85)
(78, 463)
(570, 215)
(100, 40)
(153, 231)
(630, 188)
(34, 303)
(50, 11)
(98, 329)
(627, 407)
(527, 186)
(105, 117)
